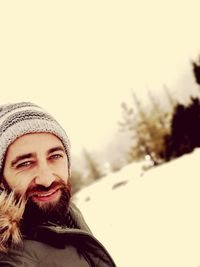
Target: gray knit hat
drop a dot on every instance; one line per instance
(22, 118)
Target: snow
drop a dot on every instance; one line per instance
(148, 218)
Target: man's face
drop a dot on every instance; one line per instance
(36, 165)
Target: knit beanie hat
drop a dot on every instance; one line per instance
(22, 118)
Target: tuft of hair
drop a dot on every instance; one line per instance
(11, 211)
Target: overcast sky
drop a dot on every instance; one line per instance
(80, 59)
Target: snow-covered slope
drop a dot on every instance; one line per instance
(148, 219)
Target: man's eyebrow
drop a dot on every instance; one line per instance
(54, 149)
(21, 157)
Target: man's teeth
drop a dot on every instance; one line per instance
(44, 195)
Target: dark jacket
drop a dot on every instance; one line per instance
(51, 245)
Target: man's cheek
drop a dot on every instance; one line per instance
(21, 189)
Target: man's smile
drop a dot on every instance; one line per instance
(46, 196)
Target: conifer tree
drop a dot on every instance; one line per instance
(147, 129)
(185, 130)
(94, 171)
(196, 70)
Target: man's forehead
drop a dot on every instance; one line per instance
(33, 142)
(37, 136)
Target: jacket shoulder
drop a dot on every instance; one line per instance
(35, 253)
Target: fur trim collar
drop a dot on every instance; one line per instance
(11, 215)
(11, 212)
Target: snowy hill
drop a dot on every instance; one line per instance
(148, 219)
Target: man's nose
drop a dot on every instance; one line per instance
(44, 175)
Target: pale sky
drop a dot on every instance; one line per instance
(80, 59)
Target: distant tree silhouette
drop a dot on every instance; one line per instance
(92, 166)
(185, 130)
(196, 70)
(147, 127)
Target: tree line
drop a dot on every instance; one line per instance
(159, 134)
(156, 133)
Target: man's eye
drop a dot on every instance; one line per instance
(24, 164)
(55, 156)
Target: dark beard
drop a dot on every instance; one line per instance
(52, 212)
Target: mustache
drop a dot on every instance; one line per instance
(54, 186)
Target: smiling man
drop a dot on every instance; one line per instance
(39, 224)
